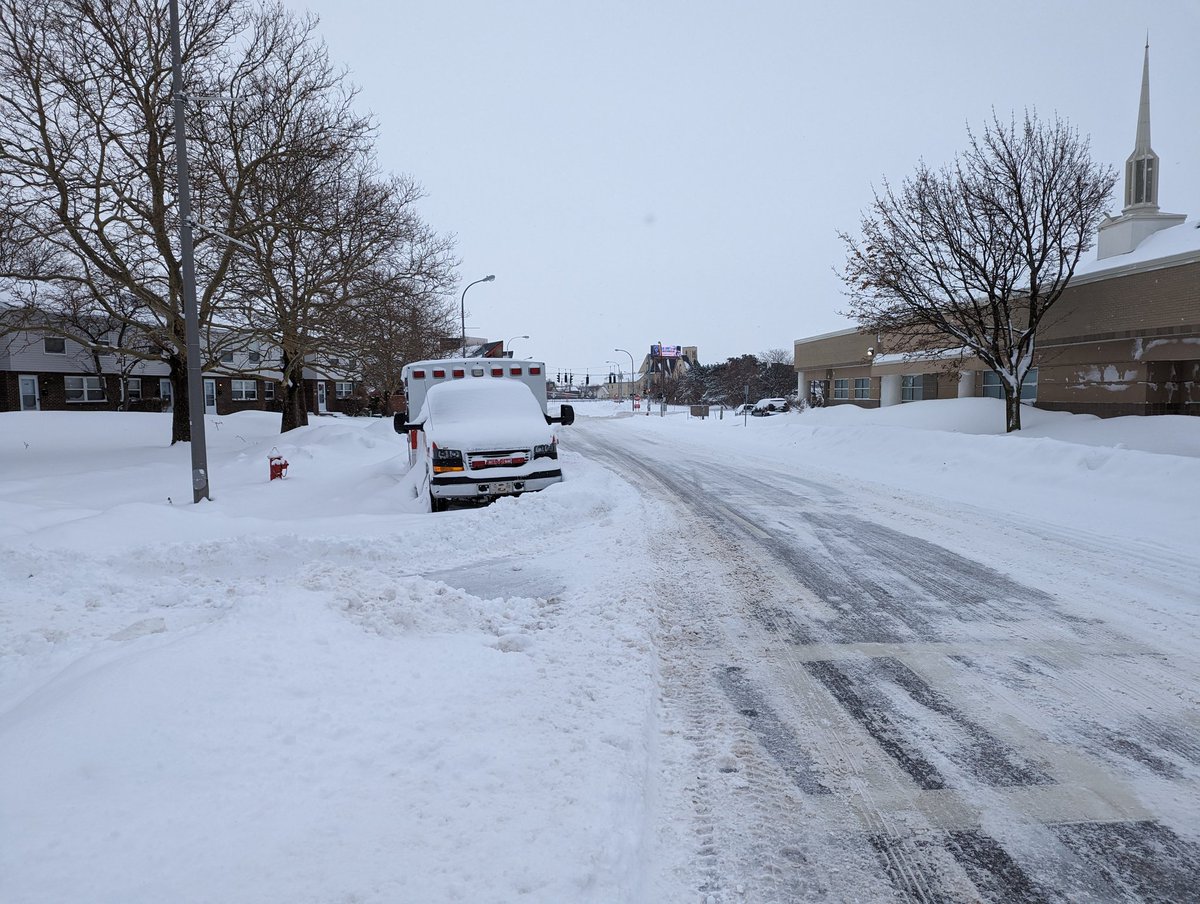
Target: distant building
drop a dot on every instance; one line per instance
(1124, 338)
(49, 370)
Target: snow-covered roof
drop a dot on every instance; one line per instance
(845, 332)
(1168, 247)
(937, 354)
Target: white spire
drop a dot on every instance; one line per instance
(1142, 144)
(1141, 169)
(1141, 217)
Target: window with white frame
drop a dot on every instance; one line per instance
(245, 390)
(84, 389)
(55, 345)
(912, 387)
(164, 388)
(132, 390)
(841, 389)
(343, 390)
(226, 357)
(862, 387)
(268, 389)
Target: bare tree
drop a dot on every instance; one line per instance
(404, 315)
(328, 234)
(87, 161)
(975, 254)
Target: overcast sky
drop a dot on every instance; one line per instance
(677, 172)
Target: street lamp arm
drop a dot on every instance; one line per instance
(463, 308)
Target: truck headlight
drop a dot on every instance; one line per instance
(446, 460)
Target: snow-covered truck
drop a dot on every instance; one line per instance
(480, 428)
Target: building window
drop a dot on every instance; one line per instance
(164, 388)
(55, 345)
(132, 390)
(343, 390)
(912, 388)
(862, 387)
(993, 387)
(253, 357)
(226, 357)
(268, 389)
(245, 390)
(841, 389)
(84, 389)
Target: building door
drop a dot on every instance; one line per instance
(210, 396)
(31, 399)
(321, 407)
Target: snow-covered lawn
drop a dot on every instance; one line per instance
(311, 690)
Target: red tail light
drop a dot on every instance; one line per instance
(459, 373)
(439, 374)
(418, 375)
(497, 371)
(534, 371)
(514, 372)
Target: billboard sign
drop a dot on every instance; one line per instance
(666, 351)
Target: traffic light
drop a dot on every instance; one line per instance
(587, 379)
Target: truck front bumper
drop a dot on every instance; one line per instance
(461, 488)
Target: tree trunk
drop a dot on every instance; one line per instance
(295, 411)
(181, 422)
(1012, 408)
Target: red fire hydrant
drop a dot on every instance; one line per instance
(279, 465)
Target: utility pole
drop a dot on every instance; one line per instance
(195, 380)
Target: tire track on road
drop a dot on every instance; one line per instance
(839, 619)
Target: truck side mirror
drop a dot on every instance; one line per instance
(566, 415)
(400, 421)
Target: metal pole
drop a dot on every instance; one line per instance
(195, 380)
(463, 309)
(632, 369)
(509, 343)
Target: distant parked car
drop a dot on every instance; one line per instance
(743, 409)
(765, 407)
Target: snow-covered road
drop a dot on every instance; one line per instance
(839, 656)
(872, 694)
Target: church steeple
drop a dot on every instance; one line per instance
(1141, 217)
(1141, 169)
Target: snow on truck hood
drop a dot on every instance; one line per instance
(484, 414)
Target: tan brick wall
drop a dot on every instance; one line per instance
(1128, 344)
(839, 350)
(1154, 302)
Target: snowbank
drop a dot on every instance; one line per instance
(312, 690)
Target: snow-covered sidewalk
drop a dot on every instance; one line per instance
(274, 697)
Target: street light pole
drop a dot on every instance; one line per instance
(195, 380)
(632, 370)
(463, 309)
(510, 341)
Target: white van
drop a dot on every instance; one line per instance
(481, 430)
(419, 376)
